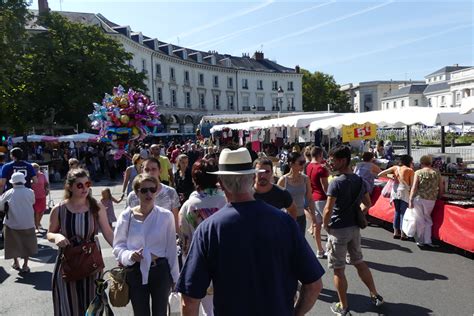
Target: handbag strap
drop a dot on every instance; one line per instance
(359, 195)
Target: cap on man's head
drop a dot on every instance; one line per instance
(235, 162)
(17, 177)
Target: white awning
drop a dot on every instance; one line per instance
(397, 118)
(35, 139)
(298, 121)
(82, 137)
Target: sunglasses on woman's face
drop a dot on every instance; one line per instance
(145, 190)
(81, 185)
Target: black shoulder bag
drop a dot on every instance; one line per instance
(361, 220)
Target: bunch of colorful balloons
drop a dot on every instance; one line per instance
(123, 117)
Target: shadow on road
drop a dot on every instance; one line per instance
(361, 304)
(40, 280)
(3, 275)
(409, 272)
(382, 245)
(46, 254)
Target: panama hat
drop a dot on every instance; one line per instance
(235, 162)
(18, 177)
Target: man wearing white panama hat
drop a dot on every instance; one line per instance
(252, 252)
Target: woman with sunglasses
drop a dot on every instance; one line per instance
(79, 216)
(300, 188)
(145, 241)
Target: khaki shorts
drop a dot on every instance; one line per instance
(340, 242)
(319, 209)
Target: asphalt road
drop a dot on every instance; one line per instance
(412, 281)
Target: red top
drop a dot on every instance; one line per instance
(315, 171)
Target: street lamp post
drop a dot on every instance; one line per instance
(280, 99)
(254, 108)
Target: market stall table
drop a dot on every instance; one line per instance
(452, 224)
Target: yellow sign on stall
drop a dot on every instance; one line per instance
(358, 132)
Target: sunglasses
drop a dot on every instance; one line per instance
(265, 171)
(81, 185)
(145, 190)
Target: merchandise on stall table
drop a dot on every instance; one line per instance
(123, 117)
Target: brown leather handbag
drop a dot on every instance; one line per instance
(81, 261)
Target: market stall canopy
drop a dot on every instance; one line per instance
(243, 117)
(35, 139)
(82, 137)
(298, 121)
(397, 118)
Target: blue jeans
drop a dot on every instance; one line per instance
(400, 208)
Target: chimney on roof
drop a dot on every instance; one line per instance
(456, 65)
(297, 69)
(258, 55)
(43, 6)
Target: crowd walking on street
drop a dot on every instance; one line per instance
(225, 228)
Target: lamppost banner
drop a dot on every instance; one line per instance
(358, 132)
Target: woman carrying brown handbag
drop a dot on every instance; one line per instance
(76, 218)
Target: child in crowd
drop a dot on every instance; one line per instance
(108, 201)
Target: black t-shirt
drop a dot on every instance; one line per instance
(345, 188)
(277, 197)
(254, 254)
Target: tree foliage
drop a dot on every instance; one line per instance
(319, 90)
(63, 70)
(13, 17)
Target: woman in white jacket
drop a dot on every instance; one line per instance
(145, 241)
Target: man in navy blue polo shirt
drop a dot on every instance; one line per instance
(16, 165)
(252, 252)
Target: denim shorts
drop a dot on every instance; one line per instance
(340, 242)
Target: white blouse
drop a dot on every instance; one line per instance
(156, 235)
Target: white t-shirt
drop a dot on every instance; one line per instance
(20, 202)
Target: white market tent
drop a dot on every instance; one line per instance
(235, 118)
(82, 137)
(35, 139)
(397, 118)
(297, 121)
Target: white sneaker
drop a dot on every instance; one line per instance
(320, 255)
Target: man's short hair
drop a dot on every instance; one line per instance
(16, 153)
(152, 159)
(367, 156)
(341, 152)
(263, 161)
(2, 156)
(316, 151)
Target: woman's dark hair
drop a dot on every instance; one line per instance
(293, 157)
(406, 160)
(71, 177)
(341, 152)
(202, 179)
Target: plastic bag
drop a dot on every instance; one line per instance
(174, 304)
(387, 189)
(409, 222)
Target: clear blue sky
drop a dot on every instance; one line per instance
(352, 40)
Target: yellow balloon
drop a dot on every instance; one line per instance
(123, 102)
(135, 130)
(124, 119)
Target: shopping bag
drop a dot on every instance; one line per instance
(174, 304)
(387, 189)
(409, 222)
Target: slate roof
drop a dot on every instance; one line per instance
(447, 69)
(240, 63)
(404, 91)
(436, 87)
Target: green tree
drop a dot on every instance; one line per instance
(319, 90)
(13, 19)
(72, 65)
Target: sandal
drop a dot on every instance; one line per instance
(396, 237)
(25, 269)
(16, 266)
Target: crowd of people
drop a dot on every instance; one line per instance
(215, 224)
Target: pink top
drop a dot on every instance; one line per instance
(39, 187)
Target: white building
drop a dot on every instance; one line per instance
(367, 96)
(187, 84)
(406, 95)
(440, 90)
(461, 85)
